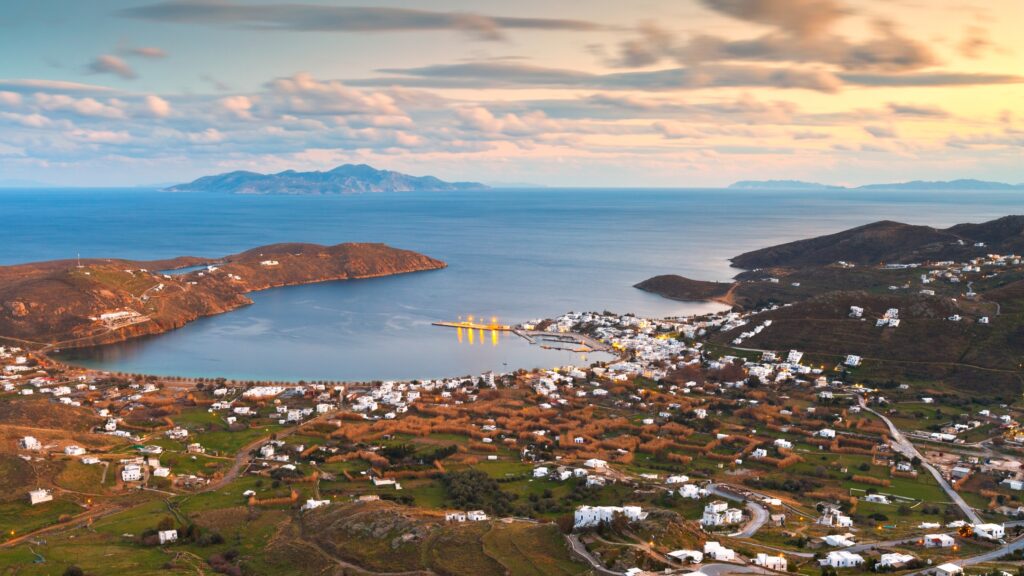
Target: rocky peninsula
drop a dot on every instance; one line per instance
(69, 303)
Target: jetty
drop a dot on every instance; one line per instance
(582, 342)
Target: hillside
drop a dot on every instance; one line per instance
(60, 303)
(345, 179)
(892, 242)
(681, 288)
(384, 537)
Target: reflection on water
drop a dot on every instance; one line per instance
(332, 331)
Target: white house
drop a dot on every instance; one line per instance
(841, 559)
(948, 569)
(30, 443)
(894, 560)
(167, 536)
(541, 472)
(39, 495)
(455, 516)
(938, 541)
(313, 504)
(718, 513)
(827, 433)
(589, 516)
(684, 556)
(690, 491)
(74, 450)
(852, 361)
(839, 540)
(131, 473)
(771, 561)
(794, 357)
(759, 453)
(476, 516)
(835, 518)
(877, 499)
(595, 463)
(719, 552)
(782, 443)
(990, 531)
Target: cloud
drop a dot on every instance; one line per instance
(975, 43)
(677, 130)
(157, 106)
(100, 136)
(303, 94)
(886, 50)
(239, 106)
(930, 79)
(10, 98)
(110, 64)
(208, 136)
(800, 18)
(27, 120)
(889, 50)
(151, 52)
(217, 84)
(36, 85)
(89, 107)
(918, 110)
(508, 75)
(481, 119)
(314, 18)
(880, 131)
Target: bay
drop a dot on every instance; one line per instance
(512, 254)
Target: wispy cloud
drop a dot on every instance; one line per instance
(110, 64)
(315, 18)
(506, 75)
(151, 52)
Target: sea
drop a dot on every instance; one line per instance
(513, 255)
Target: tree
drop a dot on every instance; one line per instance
(74, 571)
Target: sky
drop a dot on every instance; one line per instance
(647, 93)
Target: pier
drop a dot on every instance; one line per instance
(582, 342)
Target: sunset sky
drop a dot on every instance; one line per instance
(677, 93)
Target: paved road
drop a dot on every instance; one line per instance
(758, 514)
(907, 448)
(581, 550)
(981, 558)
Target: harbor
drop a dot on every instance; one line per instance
(567, 341)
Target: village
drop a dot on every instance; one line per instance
(678, 453)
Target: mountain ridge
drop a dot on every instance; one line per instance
(343, 179)
(959, 184)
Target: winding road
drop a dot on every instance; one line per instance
(907, 449)
(758, 514)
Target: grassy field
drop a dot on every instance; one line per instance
(85, 478)
(530, 550)
(19, 517)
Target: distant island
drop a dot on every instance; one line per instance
(966, 184)
(345, 179)
(73, 304)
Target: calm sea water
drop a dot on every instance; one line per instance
(514, 254)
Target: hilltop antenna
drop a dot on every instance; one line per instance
(79, 259)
